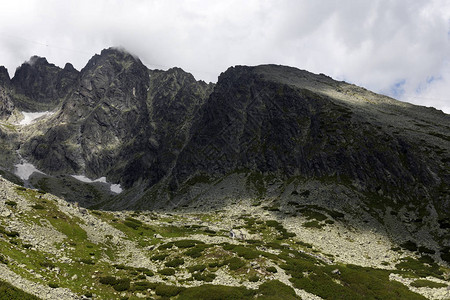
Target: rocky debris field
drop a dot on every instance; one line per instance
(53, 249)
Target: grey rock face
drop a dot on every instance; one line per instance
(40, 85)
(6, 104)
(260, 121)
(121, 121)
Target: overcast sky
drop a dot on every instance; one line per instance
(396, 47)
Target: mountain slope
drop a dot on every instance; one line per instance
(255, 120)
(56, 250)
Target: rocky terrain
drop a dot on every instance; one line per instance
(273, 178)
(55, 250)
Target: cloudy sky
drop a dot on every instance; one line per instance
(396, 47)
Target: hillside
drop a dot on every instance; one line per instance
(55, 250)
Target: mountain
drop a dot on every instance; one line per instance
(6, 103)
(324, 158)
(39, 85)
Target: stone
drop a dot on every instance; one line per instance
(336, 272)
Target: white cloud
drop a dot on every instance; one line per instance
(376, 44)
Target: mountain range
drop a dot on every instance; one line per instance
(275, 137)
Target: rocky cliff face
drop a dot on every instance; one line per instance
(40, 85)
(6, 103)
(120, 120)
(285, 122)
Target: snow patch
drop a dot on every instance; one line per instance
(115, 188)
(25, 169)
(29, 117)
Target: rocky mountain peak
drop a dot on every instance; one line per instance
(4, 77)
(41, 85)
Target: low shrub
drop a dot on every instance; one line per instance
(168, 290)
(131, 225)
(38, 206)
(215, 292)
(427, 283)
(206, 277)
(271, 269)
(122, 284)
(194, 252)
(426, 250)
(186, 243)
(11, 203)
(53, 285)
(312, 224)
(196, 268)
(12, 233)
(275, 289)
(142, 286)
(7, 291)
(109, 280)
(245, 252)
(409, 245)
(119, 284)
(87, 261)
(174, 262)
(158, 257)
(234, 263)
(167, 272)
(253, 278)
(165, 246)
(3, 259)
(47, 264)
